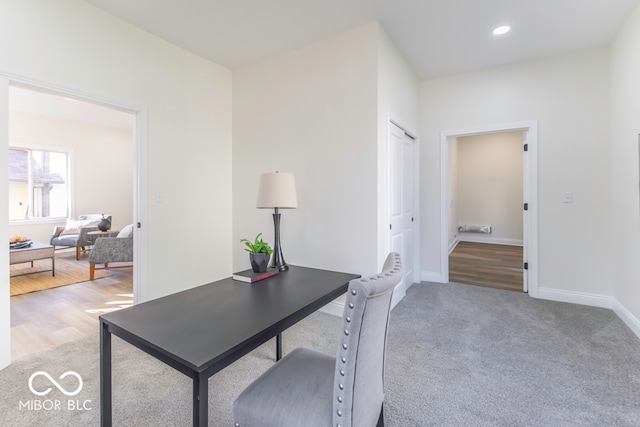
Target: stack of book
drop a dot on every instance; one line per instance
(249, 276)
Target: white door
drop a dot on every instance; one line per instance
(401, 227)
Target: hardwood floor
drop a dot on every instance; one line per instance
(495, 266)
(44, 319)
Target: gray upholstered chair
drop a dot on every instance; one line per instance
(313, 389)
(74, 233)
(112, 249)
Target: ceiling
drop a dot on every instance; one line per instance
(437, 37)
(47, 104)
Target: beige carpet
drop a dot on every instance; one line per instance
(68, 272)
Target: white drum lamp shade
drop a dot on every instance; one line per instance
(277, 190)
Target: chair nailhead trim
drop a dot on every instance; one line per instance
(346, 332)
(353, 292)
(344, 360)
(344, 346)
(348, 319)
(339, 413)
(350, 305)
(341, 373)
(340, 399)
(341, 387)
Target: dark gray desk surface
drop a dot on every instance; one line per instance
(202, 330)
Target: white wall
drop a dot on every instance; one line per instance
(569, 97)
(103, 167)
(311, 112)
(625, 130)
(71, 44)
(321, 112)
(489, 180)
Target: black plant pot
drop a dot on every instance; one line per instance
(259, 262)
(104, 224)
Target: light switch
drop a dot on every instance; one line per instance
(567, 197)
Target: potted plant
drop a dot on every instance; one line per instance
(259, 253)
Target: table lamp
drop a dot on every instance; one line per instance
(278, 191)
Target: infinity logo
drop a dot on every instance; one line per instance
(58, 386)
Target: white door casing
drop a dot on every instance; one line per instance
(140, 215)
(530, 196)
(5, 307)
(526, 190)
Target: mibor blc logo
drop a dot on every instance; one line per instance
(40, 389)
(58, 386)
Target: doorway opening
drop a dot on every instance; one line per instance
(486, 210)
(496, 205)
(103, 146)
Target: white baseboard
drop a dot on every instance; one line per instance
(428, 276)
(631, 321)
(453, 245)
(593, 300)
(334, 307)
(485, 238)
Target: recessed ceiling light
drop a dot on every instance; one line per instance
(504, 29)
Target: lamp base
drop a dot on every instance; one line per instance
(277, 260)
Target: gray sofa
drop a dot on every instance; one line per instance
(74, 233)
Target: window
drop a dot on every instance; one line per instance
(38, 184)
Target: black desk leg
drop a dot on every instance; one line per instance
(278, 347)
(200, 401)
(105, 375)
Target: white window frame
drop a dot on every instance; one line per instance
(69, 178)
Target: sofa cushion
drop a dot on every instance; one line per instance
(66, 240)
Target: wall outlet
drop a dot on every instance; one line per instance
(567, 197)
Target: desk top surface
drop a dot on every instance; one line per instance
(215, 323)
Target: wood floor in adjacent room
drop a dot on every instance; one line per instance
(484, 264)
(45, 319)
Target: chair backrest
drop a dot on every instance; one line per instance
(359, 374)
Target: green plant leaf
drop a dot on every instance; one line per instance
(258, 245)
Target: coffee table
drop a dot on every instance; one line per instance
(32, 253)
(202, 330)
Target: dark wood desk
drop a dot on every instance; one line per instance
(203, 330)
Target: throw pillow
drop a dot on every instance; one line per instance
(73, 226)
(127, 231)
